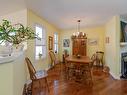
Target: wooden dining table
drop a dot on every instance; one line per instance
(80, 60)
(83, 60)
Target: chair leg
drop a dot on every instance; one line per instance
(102, 64)
(88, 77)
(61, 68)
(33, 90)
(91, 78)
(40, 86)
(25, 90)
(46, 81)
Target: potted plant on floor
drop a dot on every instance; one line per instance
(15, 34)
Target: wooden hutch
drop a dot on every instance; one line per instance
(79, 44)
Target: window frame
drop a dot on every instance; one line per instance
(56, 43)
(43, 29)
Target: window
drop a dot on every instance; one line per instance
(40, 44)
(56, 42)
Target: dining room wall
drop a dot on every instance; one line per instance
(112, 48)
(96, 33)
(13, 74)
(27, 18)
(32, 19)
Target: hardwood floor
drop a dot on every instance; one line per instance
(103, 84)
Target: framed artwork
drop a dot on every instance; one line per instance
(123, 31)
(66, 43)
(93, 41)
(107, 40)
(50, 43)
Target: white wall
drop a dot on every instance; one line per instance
(112, 55)
(13, 75)
(50, 30)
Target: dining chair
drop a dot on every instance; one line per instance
(25, 92)
(39, 78)
(87, 70)
(65, 55)
(99, 58)
(54, 60)
(93, 58)
(70, 70)
(27, 88)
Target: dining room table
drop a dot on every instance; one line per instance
(79, 61)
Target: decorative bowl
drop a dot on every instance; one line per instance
(78, 56)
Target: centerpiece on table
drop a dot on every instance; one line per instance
(15, 34)
(78, 56)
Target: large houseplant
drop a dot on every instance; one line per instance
(15, 34)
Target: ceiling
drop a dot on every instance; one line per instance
(65, 13)
(8, 6)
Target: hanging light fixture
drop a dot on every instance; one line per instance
(78, 34)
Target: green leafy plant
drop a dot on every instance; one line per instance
(15, 34)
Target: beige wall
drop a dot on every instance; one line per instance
(13, 75)
(92, 33)
(19, 74)
(18, 77)
(29, 18)
(6, 76)
(50, 29)
(112, 49)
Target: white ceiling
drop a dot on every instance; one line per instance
(65, 13)
(8, 6)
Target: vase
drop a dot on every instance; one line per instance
(18, 47)
(5, 51)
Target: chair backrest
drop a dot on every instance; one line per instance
(52, 56)
(93, 58)
(99, 55)
(31, 69)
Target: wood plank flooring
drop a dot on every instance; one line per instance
(103, 84)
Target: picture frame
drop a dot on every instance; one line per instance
(50, 43)
(93, 41)
(66, 42)
(107, 40)
(123, 26)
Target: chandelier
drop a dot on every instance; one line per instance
(79, 34)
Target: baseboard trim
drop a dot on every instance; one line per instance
(114, 76)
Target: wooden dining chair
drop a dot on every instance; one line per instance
(25, 92)
(27, 88)
(54, 60)
(70, 70)
(93, 59)
(99, 58)
(87, 70)
(39, 78)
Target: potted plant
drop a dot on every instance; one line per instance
(15, 34)
(40, 55)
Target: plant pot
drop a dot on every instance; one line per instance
(18, 47)
(5, 51)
